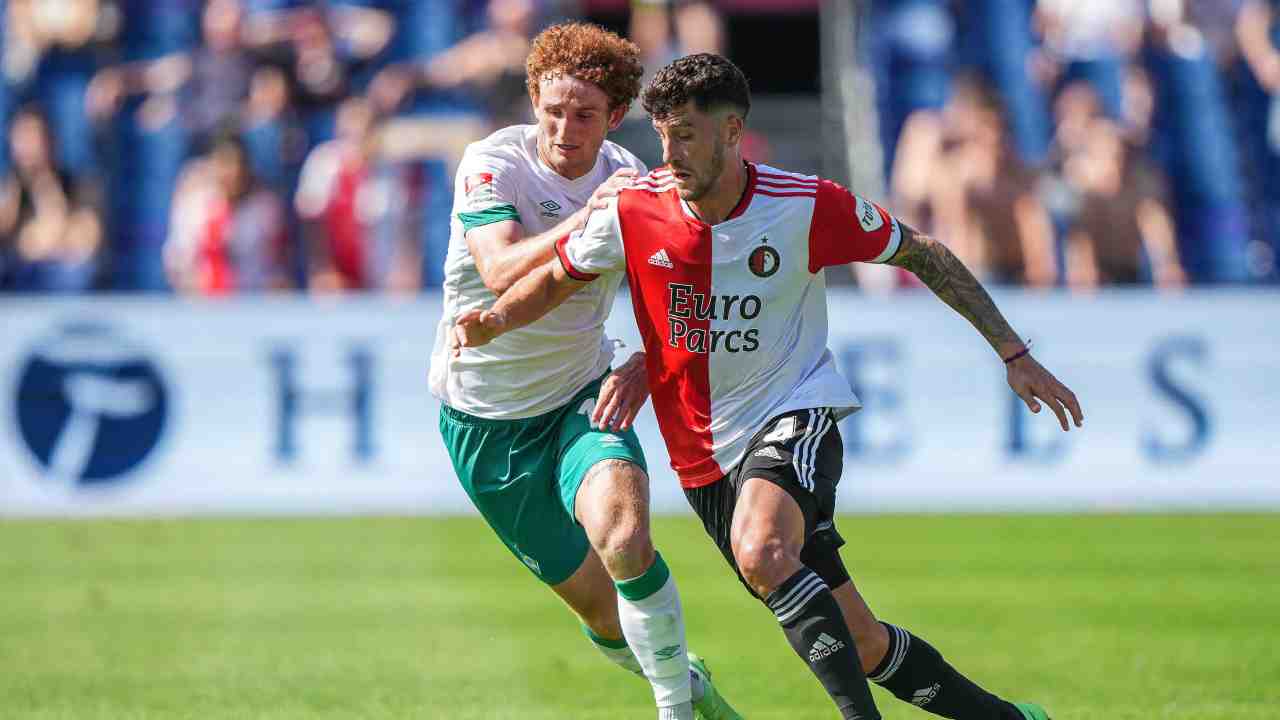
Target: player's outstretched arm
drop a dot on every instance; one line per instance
(533, 296)
(952, 282)
(503, 253)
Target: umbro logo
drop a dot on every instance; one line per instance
(533, 564)
(661, 260)
(824, 647)
(923, 696)
(611, 440)
(550, 208)
(770, 452)
(667, 652)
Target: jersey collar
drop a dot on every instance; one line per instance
(747, 193)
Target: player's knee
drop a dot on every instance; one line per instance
(765, 562)
(626, 548)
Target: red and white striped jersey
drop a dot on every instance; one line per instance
(733, 315)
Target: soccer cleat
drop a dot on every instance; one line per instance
(1032, 711)
(711, 706)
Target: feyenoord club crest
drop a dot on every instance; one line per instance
(764, 260)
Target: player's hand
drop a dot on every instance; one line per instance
(622, 394)
(1034, 385)
(617, 182)
(475, 328)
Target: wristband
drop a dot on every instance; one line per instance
(1018, 354)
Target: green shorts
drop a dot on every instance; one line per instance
(523, 476)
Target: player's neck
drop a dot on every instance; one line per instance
(725, 195)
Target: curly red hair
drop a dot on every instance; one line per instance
(589, 53)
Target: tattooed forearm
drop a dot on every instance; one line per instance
(952, 282)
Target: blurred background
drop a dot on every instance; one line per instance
(253, 146)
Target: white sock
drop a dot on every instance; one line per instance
(619, 653)
(653, 623)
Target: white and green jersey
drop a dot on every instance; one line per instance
(539, 367)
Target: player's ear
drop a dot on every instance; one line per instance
(616, 116)
(733, 128)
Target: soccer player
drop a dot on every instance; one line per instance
(538, 429)
(725, 259)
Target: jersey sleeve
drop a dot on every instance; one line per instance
(486, 185)
(847, 228)
(596, 248)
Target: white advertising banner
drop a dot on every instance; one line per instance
(120, 406)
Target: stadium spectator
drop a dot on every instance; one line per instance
(489, 62)
(985, 200)
(50, 229)
(1193, 141)
(220, 72)
(1092, 41)
(323, 51)
(1258, 32)
(911, 50)
(272, 132)
(997, 40)
(1123, 229)
(352, 212)
(52, 51)
(228, 232)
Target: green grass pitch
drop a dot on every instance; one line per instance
(1096, 617)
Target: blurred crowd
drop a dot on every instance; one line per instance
(223, 146)
(1085, 143)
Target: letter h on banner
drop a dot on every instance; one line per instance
(355, 402)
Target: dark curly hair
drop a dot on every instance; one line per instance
(709, 80)
(589, 53)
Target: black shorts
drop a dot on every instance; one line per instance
(802, 453)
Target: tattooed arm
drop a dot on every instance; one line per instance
(952, 282)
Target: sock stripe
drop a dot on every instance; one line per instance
(602, 641)
(902, 640)
(899, 644)
(650, 582)
(783, 603)
(802, 601)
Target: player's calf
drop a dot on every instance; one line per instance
(769, 532)
(613, 506)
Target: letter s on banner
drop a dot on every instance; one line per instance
(1156, 445)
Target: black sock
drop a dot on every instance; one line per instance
(916, 673)
(816, 630)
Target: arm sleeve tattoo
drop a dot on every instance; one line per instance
(948, 278)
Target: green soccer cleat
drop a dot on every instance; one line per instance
(711, 706)
(1032, 711)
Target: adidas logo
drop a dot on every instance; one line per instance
(824, 647)
(922, 696)
(769, 452)
(661, 260)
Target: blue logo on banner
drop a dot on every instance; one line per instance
(91, 405)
